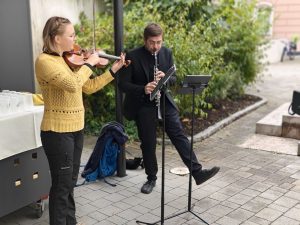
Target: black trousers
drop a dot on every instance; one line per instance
(146, 123)
(63, 151)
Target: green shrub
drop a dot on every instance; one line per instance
(222, 40)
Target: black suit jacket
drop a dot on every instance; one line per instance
(140, 72)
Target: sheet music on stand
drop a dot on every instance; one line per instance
(162, 81)
(198, 82)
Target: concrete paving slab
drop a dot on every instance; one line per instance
(272, 144)
(291, 126)
(271, 124)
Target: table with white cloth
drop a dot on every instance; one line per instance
(24, 170)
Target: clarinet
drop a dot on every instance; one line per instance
(157, 97)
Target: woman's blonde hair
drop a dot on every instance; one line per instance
(54, 26)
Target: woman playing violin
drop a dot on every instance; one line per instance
(63, 120)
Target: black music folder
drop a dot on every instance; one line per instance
(162, 82)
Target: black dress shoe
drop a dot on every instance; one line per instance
(203, 175)
(148, 186)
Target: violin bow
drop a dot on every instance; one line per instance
(94, 26)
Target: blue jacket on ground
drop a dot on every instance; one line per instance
(103, 160)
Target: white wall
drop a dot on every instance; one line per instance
(274, 50)
(42, 10)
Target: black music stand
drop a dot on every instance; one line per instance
(191, 84)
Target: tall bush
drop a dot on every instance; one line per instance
(222, 40)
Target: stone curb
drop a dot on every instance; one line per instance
(219, 125)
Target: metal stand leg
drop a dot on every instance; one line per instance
(162, 213)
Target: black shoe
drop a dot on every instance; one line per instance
(148, 186)
(203, 175)
(133, 164)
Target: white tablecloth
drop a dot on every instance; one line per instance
(20, 131)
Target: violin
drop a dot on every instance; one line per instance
(78, 56)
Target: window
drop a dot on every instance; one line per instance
(264, 13)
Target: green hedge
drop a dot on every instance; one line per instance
(222, 40)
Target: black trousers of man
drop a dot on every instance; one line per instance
(63, 151)
(146, 122)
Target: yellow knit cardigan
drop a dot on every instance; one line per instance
(62, 92)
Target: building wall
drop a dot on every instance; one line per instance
(42, 10)
(286, 20)
(285, 25)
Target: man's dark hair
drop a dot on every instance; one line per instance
(152, 30)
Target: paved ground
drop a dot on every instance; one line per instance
(253, 187)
